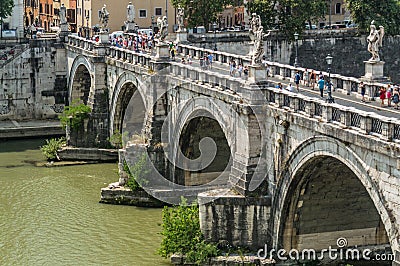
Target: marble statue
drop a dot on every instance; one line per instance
(63, 14)
(374, 39)
(179, 18)
(130, 12)
(257, 36)
(162, 24)
(255, 23)
(104, 16)
(258, 52)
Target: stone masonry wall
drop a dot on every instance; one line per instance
(33, 85)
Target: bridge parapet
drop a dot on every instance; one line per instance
(83, 43)
(344, 84)
(348, 117)
(130, 56)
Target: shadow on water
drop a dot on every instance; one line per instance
(21, 145)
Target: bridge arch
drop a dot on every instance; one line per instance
(199, 118)
(303, 197)
(80, 81)
(125, 88)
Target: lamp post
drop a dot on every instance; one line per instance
(330, 99)
(215, 35)
(203, 40)
(152, 24)
(87, 26)
(296, 38)
(330, 14)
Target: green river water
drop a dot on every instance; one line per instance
(51, 215)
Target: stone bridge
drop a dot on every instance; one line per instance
(297, 172)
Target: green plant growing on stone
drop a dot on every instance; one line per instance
(182, 234)
(136, 173)
(74, 114)
(49, 150)
(116, 139)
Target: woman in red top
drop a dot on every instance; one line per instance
(382, 96)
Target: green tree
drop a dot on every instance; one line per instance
(384, 12)
(288, 16)
(201, 12)
(6, 7)
(51, 147)
(74, 114)
(182, 235)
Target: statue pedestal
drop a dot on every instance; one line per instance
(104, 38)
(162, 51)
(63, 35)
(64, 27)
(181, 37)
(374, 71)
(257, 73)
(130, 26)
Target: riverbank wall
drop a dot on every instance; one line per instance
(125, 196)
(33, 81)
(12, 129)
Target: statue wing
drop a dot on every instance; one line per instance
(381, 34)
(159, 22)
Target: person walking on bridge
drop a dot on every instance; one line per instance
(396, 97)
(297, 79)
(321, 85)
(362, 91)
(382, 96)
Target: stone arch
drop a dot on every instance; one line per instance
(80, 83)
(125, 88)
(322, 149)
(199, 118)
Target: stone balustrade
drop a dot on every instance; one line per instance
(81, 42)
(344, 84)
(130, 56)
(348, 117)
(364, 122)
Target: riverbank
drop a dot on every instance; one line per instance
(11, 129)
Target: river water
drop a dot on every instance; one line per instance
(51, 215)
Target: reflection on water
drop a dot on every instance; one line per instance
(51, 216)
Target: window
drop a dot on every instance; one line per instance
(142, 13)
(71, 16)
(338, 8)
(158, 11)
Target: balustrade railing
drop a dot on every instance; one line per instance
(81, 42)
(357, 119)
(336, 114)
(345, 84)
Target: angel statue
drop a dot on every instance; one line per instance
(258, 52)
(63, 14)
(130, 13)
(374, 39)
(163, 26)
(179, 18)
(255, 23)
(104, 15)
